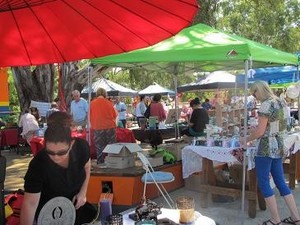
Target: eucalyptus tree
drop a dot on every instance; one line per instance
(272, 22)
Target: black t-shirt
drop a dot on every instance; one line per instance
(51, 180)
(199, 118)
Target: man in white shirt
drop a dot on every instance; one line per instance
(140, 109)
(29, 125)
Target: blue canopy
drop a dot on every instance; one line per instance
(273, 75)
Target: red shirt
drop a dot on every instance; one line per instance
(102, 114)
(157, 109)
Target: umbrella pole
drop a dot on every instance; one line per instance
(89, 101)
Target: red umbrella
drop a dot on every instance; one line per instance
(36, 32)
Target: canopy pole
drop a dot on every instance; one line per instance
(242, 214)
(89, 70)
(176, 107)
(297, 72)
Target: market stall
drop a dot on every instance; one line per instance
(200, 158)
(203, 48)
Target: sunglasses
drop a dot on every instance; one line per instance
(59, 153)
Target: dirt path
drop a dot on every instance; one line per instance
(16, 167)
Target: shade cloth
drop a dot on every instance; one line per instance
(36, 32)
(201, 48)
(156, 89)
(214, 80)
(112, 88)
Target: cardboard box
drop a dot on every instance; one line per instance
(122, 149)
(154, 161)
(118, 162)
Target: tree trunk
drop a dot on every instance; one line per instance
(75, 79)
(36, 84)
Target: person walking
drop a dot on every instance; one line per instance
(103, 122)
(79, 109)
(268, 160)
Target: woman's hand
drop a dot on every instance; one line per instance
(79, 200)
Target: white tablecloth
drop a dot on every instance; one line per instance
(173, 215)
(192, 155)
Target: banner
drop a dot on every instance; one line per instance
(43, 107)
(4, 97)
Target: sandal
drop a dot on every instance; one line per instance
(289, 220)
(270, 222)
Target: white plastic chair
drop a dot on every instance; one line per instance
(156, 177)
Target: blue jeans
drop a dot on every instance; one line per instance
(266, 165)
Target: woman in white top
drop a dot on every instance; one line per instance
(140, 109)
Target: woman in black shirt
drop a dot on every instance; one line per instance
(198, 120)
(61, 169)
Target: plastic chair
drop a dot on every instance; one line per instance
(12, 138)
(156, 177)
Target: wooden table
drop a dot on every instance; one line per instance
(292, 165)
(205, 157)
(292, 168)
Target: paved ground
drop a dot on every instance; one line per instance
(223, 213)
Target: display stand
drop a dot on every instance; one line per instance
(228, 117)
(126, 184)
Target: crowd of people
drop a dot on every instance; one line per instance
(63, 167)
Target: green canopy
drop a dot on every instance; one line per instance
(201, 48)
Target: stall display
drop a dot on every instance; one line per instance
(229, 116)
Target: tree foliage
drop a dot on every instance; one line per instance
(273, 22)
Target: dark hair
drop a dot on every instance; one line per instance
(58, 133)
(62, 118)
(197, 101)
(53, 105)
(192, 103)
(142, 97)
(156, 97)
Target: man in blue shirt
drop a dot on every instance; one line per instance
(79, 109)
(206, 105)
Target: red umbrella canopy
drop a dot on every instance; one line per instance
(36, 32)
